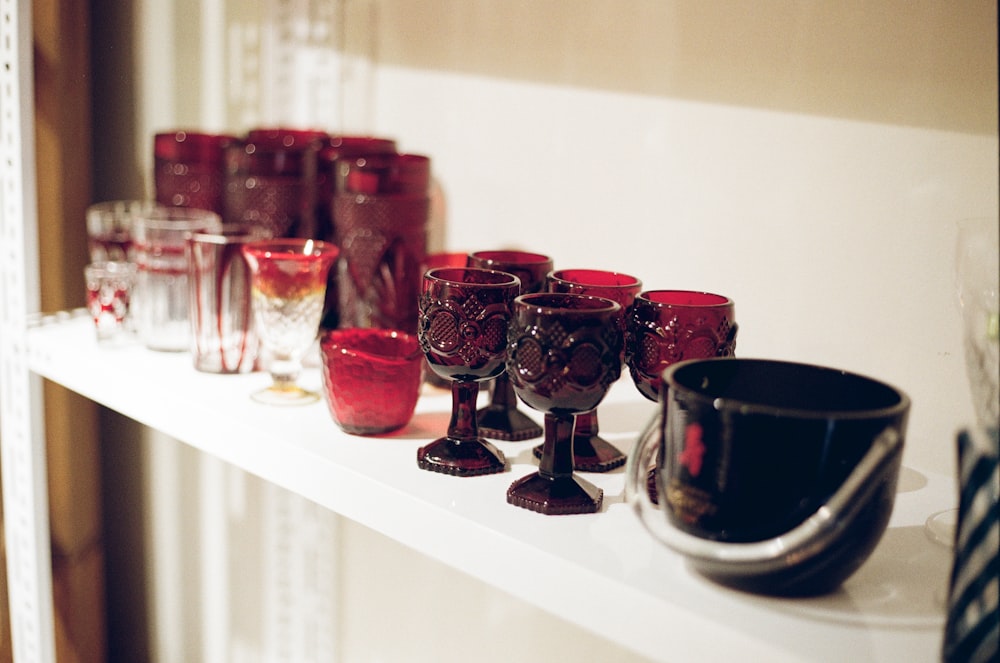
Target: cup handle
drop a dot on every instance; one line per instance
(773, 554)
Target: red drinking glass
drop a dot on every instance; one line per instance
(224, 337)
(565, 352)
(109, 229)
(188, 169)
(381, 208)
(464, 315)
(501, 420)
(592, 453)
(331, 149)
(271, 181)
(371, 378)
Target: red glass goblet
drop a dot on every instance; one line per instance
(464, 314)
(668, 326)
(501, 420)
(433, 261)
(565, 352)
(288, 284)
(592, 453)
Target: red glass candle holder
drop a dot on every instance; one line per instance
(371, 378)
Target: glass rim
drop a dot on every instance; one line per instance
(695, 387)
(520, 258)
(111, 266)
(292, 247)
(601, 304)
(335, 340)
(231, 233)
(674, 298)
(504, 279)
(627, 280)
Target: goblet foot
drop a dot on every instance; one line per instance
(504, 423)
(592, 453)
(555, 496)
(940, 527)
(463, 458)
(285, 395)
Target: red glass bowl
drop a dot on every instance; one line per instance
(371, 378)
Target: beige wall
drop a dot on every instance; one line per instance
(925, 63)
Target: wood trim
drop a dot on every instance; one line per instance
(64, 176)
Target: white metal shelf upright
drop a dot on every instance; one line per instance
(25, 497)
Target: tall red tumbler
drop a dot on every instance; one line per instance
(381, 209)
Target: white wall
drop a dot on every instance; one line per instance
(808, 159)
(831, 226)
(825, 208)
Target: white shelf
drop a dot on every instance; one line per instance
(602, 572)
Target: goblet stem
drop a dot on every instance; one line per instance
(591, 452)
(554, 489)
(284, 371)
(284, 388)
(501, 420)
(556, 462)
(463, 425)
(462, 452)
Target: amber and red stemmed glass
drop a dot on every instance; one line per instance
(668, 326)
(288, 286)
(500, 419)
(564, 354)
(592, 453)
(464, 313)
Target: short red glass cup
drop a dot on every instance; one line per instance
(371, 378)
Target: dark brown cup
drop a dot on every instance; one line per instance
(774, 477)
